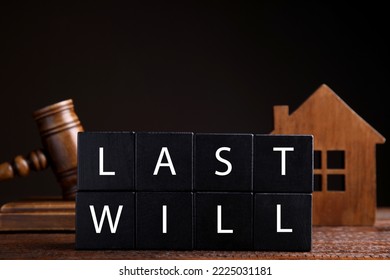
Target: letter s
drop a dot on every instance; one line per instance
(229, 165)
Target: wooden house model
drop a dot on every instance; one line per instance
(344, 157)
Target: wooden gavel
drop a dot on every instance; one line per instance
(58, 126)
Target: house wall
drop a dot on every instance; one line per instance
(357, 205)
(336, 127)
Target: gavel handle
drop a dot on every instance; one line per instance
(21, 166)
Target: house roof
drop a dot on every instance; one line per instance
(326, 93)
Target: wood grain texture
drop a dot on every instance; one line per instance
(38, 214)
(22, 165)
(329, 243)
(336, 127)
(58, 126)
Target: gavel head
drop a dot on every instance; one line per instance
(58, 126)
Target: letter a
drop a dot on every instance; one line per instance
(164, 150)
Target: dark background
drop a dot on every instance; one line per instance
(211, 67)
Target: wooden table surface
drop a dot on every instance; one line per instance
(328, 243)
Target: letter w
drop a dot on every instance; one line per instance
(106, 211)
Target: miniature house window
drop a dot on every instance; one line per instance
(329, 170)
